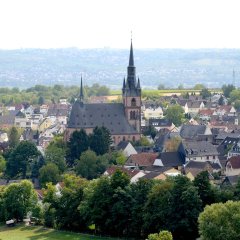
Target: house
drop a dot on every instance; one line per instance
(230, 181)
(153, 112)
(45, 124)
(126, 148)
(22, 121)
(163, 174)
(196, 132)
(233, 166)
(193, 168)
(228, 110)
(201, 151)
(140, 160)
(205, 114)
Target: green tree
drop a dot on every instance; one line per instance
(161, 87)
(163, 235)
(139, 192)
(14, 136)
(175, 114)
(2, 164)
(100, 140)
(220, 221)
(199, 86)
(90, 165)
(78, 143)
(205, 93)
(121, 158)
(41, 100)
(235, 95)
(19, 199)
(227, 89)
(150, 131)
(67, 214)
(21, 159)
(221, 100)
(49, 173)
(172, 144)
(205, 190)
(56, 155)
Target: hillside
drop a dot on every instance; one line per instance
(27, 67)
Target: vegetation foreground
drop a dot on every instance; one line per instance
(21, 232)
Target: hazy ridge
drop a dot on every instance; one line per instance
(27, 67)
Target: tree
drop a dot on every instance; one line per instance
(56, 155)
(205, 93)
(150, 131)
(234, 95)
(161, 87)
(2, 164)
(41, 100)
(221, 100)
(49, 173)
(90, 165)
(175, 114)
(227, 89)
(100, 140)
(67, 214)
(78, 143)
(185, 208)
(139, 192)
(19, 199)
(198, 86)
(220, 221)
(205, 190)
(163, 235)
(121, 158)
(172, 144)
(21, 158)
(14, 136)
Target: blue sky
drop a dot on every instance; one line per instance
(108, 23)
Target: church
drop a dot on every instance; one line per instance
(123, 120)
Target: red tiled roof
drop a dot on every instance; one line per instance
(143, 159)
(207, 112)
(234, 161)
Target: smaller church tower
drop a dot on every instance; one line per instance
(131, 94)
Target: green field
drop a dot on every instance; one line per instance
(22, 232)
(166, 91)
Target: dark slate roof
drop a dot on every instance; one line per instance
(171, 159)
(57, 112)
(122, 145)
(232, 180)
(110, 115)
(200, 148)
(192, 131)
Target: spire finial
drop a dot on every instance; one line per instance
(131, 61)
(81, 91)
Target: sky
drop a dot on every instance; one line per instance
(109, 23)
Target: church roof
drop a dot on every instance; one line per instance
(110, 115)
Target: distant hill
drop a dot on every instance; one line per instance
(27, 67)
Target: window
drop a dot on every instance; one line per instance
(133, 102)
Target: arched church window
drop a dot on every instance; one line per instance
(133, 102)
(133, 138)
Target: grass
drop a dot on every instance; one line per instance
(22, 232)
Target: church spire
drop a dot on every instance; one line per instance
(138, 84)
(81, 91)
(131, 59)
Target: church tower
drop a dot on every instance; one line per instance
(131, 94)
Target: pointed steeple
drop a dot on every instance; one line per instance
(124, 83)
(81, 91)
(131, 59)
(138, 84)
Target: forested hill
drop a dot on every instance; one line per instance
(28, 67)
